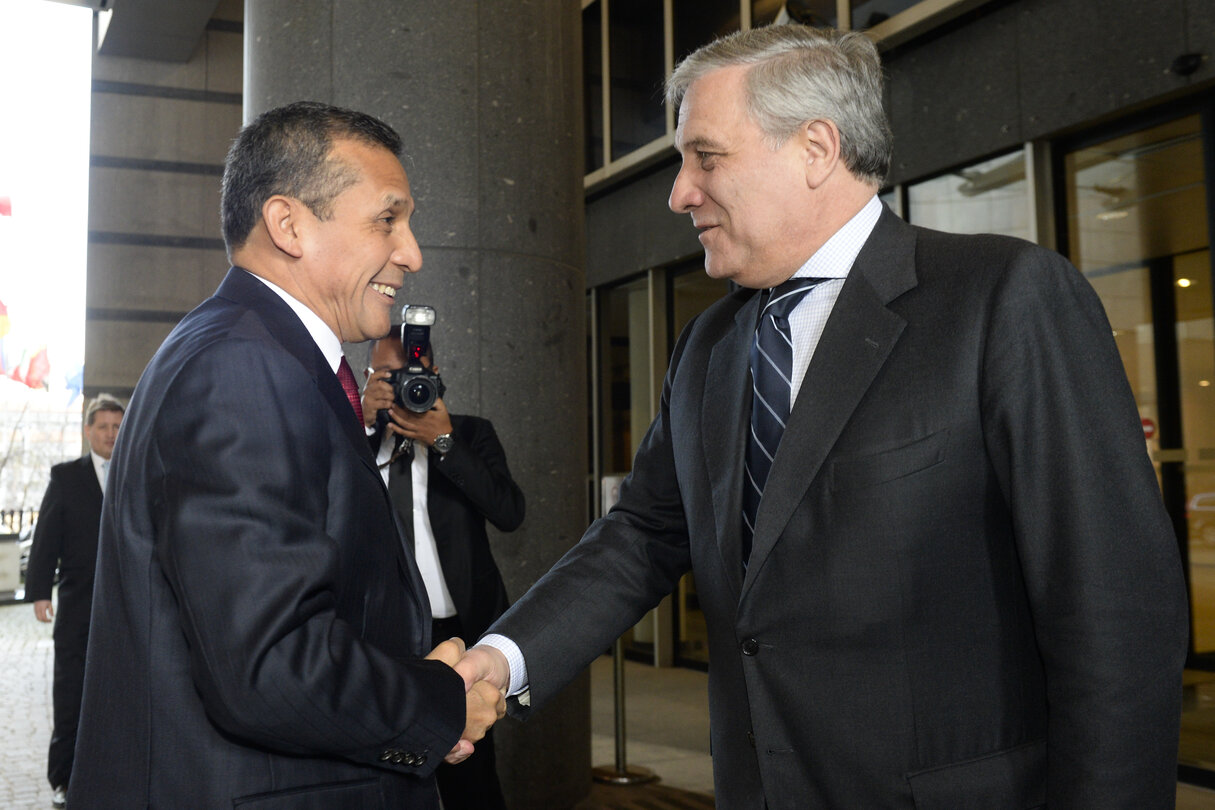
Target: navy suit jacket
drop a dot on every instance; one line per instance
(964, 591)
(66, 537)
(257, 621)
(466, 487)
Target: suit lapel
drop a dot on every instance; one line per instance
(724, 425)
(859, 335)
(284, 325)
(88, 478)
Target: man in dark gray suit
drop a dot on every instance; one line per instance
(907, 470)
(260, 630)
(65, 540)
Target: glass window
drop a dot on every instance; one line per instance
(891, 198)
(989, 197)
(1138, 228)
(698, 22)
(765, 12)
(637, 69)
(819, 13)
(624, 375)
(868, 13)
(592, 85)
(692, 292)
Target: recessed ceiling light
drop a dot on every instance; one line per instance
(1184, 282)
(1106, 216)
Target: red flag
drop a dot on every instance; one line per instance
(6, 207)
(39, 368)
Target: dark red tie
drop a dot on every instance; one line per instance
(346, 378)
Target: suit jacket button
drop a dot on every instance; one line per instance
(751, 738)
(750, 647)
(398, 757)
(385, 756)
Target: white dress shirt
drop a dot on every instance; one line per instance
(100, 466)
(324, 337)
(425, 547)
(833, 260)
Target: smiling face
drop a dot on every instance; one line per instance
(750, 203)
(354, 261)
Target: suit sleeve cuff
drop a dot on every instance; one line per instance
(514, 658)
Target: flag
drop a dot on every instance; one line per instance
(3, 331)
(15, 371)
(6, 207)
(38, 369)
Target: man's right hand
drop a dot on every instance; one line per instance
(43, 611)
(484, 706)
(484, 703)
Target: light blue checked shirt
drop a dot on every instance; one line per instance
(833, 260)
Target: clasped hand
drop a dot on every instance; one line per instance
(484, 688)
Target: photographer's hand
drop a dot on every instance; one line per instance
(377, 396)
(423, 427)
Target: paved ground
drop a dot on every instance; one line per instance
(26, 658)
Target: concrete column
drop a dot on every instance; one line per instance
(487, 98)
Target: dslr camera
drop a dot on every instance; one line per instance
(415, 386)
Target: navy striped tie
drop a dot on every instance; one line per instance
(771, 371)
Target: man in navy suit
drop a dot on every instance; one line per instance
(259, 625)
(934, 561)
(447, 475)
(65, 539)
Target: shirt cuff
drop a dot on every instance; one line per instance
(514, 658)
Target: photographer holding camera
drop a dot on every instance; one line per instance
(447, 475)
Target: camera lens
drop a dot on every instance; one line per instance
(418, 393)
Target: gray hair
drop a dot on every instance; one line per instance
(803, 74)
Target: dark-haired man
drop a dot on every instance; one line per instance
(65, 539)
(259, 625)
(447, 475)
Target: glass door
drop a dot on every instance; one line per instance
(1138, 227)
(691, 292)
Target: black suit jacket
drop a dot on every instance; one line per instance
(66, 537)
(964, 591)
(466, 487)
(257, 620)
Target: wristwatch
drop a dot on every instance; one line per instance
(443, 443)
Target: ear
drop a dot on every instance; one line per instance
(821, 141)
(281, 217)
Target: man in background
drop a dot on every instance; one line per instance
(907, 470)
(65, 539)
(259, 625)
(447, 475)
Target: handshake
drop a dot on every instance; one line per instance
(486, 678)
